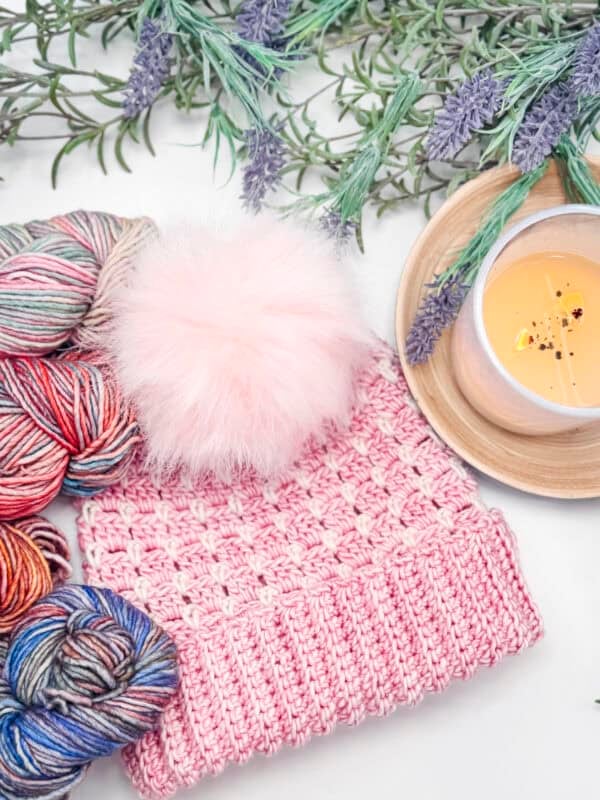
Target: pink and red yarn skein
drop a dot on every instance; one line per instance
(63, 423)
(62, 427)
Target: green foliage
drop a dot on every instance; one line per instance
(370, 52)
(241, 69)
(319, 18)
(577, 178)
(504, 206)
(349, 193)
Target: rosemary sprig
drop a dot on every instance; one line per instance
(577, 177)
(362, 49)
(502, 209)
(442, 303)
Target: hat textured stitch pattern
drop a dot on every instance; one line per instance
(367, 576)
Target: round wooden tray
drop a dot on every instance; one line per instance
(564, 465)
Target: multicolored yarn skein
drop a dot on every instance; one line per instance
(34, 557)
(83, 674)
(63, 424)
(58, 276)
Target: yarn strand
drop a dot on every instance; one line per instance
(82, 671)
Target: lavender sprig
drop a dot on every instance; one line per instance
(338, 229)
(151, 67)
(439, 309)
(543, 125)
(472, 106)
(263, 20)
(441, 305)
(585, 77)
(346, 198)
(262, 173)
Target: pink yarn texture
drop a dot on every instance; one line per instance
(368, 576)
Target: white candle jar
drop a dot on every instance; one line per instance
(483, 379)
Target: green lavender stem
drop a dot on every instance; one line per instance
(579, 182)
(502, 209)
(318, 20)
(350, 193)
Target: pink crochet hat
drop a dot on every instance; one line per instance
(369, 575)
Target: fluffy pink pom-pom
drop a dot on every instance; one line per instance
(236, 347)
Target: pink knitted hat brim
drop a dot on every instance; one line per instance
(367, 577)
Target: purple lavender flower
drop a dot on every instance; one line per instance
(151, 67)
(437, 312)
(585, 77)
(263, 21)
(474, 104)
(542, 126)
(263, 172)
(334, 226)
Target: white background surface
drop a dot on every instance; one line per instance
(528, 727)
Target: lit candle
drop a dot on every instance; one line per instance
(526, 347)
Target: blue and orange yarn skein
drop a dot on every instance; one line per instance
(82, 671)
(110, 675)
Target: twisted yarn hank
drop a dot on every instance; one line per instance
(58, 276)
(63, 425)
(85, 673)
(34, 557)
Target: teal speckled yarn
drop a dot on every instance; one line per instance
(57, 277)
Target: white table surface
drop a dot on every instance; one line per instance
(526, 728)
